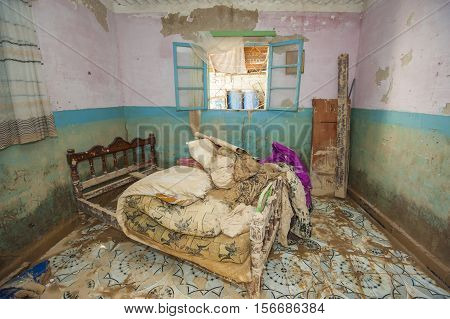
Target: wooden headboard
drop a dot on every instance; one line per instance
(119, 145)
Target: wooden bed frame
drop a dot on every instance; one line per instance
(263, 226)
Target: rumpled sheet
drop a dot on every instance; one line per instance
(212, 213)
(172, 185)
(198, 219)
(218, 248)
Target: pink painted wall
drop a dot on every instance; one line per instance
(73, 44)
(327, 35)
(131, 63)
(146, 56)
(146, 65)
(391, 30)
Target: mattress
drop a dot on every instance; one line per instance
(219, 248)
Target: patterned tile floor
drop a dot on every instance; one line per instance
(347, 257)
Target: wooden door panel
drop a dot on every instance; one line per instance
(323, 152)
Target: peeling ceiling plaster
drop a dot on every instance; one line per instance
(186, 6)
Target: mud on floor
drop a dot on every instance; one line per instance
(346, 257)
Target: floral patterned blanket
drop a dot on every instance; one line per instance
(218, 248)
(206, 221)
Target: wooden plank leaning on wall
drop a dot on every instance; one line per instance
(343, 128)
(323, 150)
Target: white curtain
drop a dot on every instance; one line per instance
(225, 55)
(25, 112)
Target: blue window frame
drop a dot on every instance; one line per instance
(283, 89)
(190, 74)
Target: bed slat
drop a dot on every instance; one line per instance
(104, 167)
(91, 167)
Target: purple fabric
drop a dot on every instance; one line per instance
(281, 153)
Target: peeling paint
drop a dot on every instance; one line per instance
(215, 18)
(381, 75)
(385, 97)
(406, 58)
(98, 9)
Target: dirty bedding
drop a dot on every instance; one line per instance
(218, 248)
(206, 212)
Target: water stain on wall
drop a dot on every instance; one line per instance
(410, 19)
(385, 97)
(446, 109)
(406, 58)
(195, 119)
(381, 75)
(216, 18)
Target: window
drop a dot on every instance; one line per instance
(190, 74)
(272, 81)
(283, 85)
(238, 91)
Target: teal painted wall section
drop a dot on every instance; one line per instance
(400, 162)
(35, 189)
(254, 131)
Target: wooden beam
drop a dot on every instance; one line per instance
(323, 148)
(343, 128)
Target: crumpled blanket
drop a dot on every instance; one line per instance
(293, 206)
(236, 199)
(248, 190)
(283, 154)
(201, 218)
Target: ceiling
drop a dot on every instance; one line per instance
(186, 6)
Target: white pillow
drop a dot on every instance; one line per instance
(203, 151)
(181, 185)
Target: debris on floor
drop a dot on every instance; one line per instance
(346, 257)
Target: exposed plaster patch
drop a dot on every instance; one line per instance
(446, 109)
(410, 19)
(98, 9)
(215, 18)
(406, 58)
(385, 97)
(381, 75)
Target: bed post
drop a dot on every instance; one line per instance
(152, 142)
(77, 188)
(257, 232)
